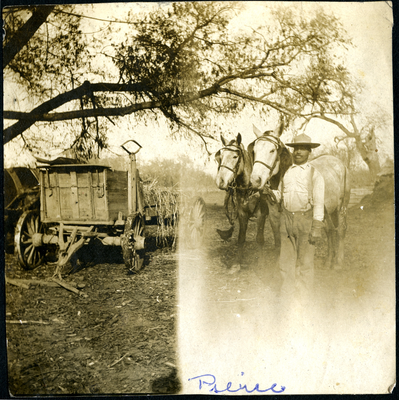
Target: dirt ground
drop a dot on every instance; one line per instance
(122, 338)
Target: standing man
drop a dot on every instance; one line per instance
(302, 197)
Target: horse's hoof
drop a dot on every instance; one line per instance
(235, 268)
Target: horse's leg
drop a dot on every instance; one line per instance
(275, 217)
(335, 238)
(330, 248)
(342, 225)
(341, 231)
(329, 229)
(262, 213)
(243, 224)
(275, 222)
(334, 250)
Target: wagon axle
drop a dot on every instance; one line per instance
(31, 240)
(40, 239)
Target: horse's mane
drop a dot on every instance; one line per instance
(243, 178)
(285, 163)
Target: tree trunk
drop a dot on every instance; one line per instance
(369, 152)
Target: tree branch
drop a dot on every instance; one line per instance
(197, 133)
(23, 35)
(336, 123)
(41, 113)
(276, 106)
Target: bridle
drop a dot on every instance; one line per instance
(277, 143)
(239, 151)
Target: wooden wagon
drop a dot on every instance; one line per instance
(79, 202)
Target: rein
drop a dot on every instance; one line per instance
(278, 145)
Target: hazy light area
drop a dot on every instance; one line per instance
(332, 347)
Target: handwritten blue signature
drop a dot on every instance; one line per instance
(210, 380)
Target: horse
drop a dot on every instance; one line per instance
(270, 163)
(233, 176)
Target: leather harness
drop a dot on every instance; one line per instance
(239, 151)
(277, 143)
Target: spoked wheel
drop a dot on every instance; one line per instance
(28, 233)
(196, 223)
(133, 249)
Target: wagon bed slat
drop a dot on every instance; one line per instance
(77, 194)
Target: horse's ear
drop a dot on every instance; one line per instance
(217, 157)
(251, 151)
(239, 138)
(223, 140)
(257, 132)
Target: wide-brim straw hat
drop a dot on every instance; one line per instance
(303, 140)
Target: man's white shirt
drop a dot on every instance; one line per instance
(295, 186)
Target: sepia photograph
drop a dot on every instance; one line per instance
(199, 198)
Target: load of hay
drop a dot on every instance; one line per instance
(164, 202)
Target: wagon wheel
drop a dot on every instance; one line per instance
(133, 243)
(196, 223)
(28, 232)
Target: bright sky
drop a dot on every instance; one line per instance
(370, 26)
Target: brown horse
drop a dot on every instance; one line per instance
(233, 176)
(270, 159)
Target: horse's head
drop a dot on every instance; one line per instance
(265, 153)
(230, 160)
